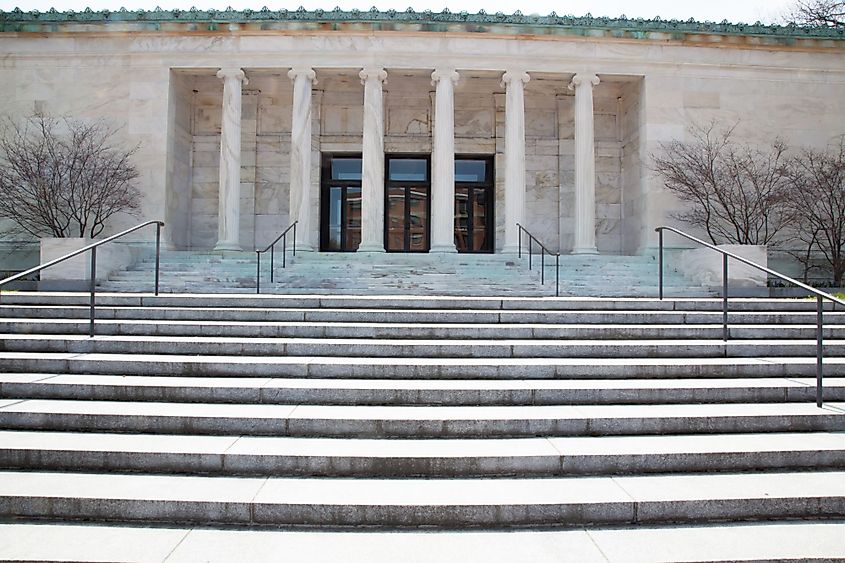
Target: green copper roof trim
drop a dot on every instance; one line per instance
(18, 20)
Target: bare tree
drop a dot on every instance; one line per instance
(817, 197)
(65, 177)
(827, 13)
(736, 193)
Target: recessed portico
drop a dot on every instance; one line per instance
(551, 146)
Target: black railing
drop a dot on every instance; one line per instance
(93, 248)
(543, 251)
(820, 297)
(272, 248)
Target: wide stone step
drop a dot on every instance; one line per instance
(783, 540)
(414, 348)
(420, 502)
(426, 368)
(441, 316)
(424, 331)
(283, 456)
(405, 302)
(416, 421)
(413, 391)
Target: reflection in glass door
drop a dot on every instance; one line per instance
(474, 204)
(340, 224)
(407, 210)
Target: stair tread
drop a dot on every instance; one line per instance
(416, 412)
(626, 490)
(427, 448)
(413, 384)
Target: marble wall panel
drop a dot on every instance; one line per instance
(474, 122)
(540, 123)
(413, 118)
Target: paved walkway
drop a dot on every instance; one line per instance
(753, 541)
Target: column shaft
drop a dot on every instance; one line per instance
(372, 172)
(514, 157)
(301, 194)
(443, 163)
(229, 210)
(585, 165)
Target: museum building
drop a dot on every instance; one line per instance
(415, 132)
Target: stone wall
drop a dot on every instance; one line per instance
(142, 82)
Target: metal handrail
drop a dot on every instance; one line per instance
(543, 251)
(820, 295)
(93, 248)
(272, 248)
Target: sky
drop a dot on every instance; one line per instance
(735, 11)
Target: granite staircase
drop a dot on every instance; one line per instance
(413, 412)
(401, 274)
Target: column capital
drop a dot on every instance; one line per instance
(233, 73)
(372, 73)
(518, 75)
(444, 73)
(305, 71)
(583, 78)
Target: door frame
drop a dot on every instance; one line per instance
(489, 185)
(388, 183)
(326, 184)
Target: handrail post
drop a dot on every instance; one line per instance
(530, 251)
(285, 251)
(725, 297)
(819, 350)
(257, 272)
(660, 262)
(158, 254)
(272, 261)
(557, 274)
(542, 266)
(519, 244)
(93, 287)
(294, 237)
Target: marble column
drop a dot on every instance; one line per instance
(372, 161)
(301, 196)
(585, 165)
(229, 210)
(443, 162)
(514, 81)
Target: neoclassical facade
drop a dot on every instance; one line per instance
(415, 132)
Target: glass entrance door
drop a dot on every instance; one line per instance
(407, 209)
(340, 213)
(474, 223)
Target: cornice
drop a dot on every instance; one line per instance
(18, 21)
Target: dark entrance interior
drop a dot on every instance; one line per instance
(474, 224)
(407, 210)
(340, 212)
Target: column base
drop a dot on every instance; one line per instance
(585, 250)
(512, 249)
(443, 249)
(223, 245)
(371, 247)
